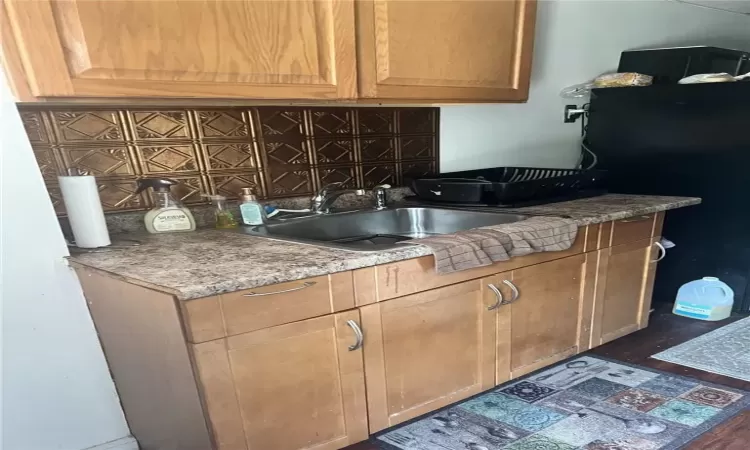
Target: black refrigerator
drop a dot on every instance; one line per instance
(686, 140)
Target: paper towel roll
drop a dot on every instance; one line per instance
(81, 198)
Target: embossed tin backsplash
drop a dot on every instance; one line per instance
(280, 151)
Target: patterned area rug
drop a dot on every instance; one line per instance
(584, 403)
(725, 351)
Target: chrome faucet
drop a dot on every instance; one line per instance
(380, 198)
(321, 202)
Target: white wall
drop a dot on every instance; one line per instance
(576, 40)
(56, 389)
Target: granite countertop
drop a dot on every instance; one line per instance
(209, 262)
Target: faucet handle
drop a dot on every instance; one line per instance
(381, 186)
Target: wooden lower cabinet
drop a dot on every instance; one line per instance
(626, 273)
(547, 317)
(289, 387)
(427, 350)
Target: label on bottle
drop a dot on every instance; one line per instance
(172, 220)
(692, 311)
(251, 214)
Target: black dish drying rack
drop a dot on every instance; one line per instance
(503, 185)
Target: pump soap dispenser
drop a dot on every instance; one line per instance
(168, 214)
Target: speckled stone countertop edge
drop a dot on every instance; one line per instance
(345, 260)
(138, 282)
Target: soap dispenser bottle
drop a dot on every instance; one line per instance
(168, 214)
(252, 211)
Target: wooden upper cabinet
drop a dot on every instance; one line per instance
(445, 50)
(285, 49)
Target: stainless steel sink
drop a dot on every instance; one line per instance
(372, 230)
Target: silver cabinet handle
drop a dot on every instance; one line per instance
(306, 284)
(513, 288)
(499, 296)
(662, 250)
(636, 219)
(358, 335)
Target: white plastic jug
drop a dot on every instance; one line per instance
(707, 299)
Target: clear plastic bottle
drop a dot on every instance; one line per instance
(168, 215)
(223, 215)
(253, 212)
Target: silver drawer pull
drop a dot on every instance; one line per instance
(357, 333)
(636, 219)
(498, 295)
(513, 288)
(662, 252)
(306, 284)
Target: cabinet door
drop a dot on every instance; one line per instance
(427, 350)
(294, 386)
(548, 318)
(627, 274)
(177, 48)
(499, 293)
(445, 50)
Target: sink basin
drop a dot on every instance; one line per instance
(372, 230)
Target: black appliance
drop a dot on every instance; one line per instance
(506, 185)
(669, 65)
(686, 140)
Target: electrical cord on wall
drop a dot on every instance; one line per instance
(584, 148)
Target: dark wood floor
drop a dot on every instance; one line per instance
(667, 330)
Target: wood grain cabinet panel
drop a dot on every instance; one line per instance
(174, 48)
(254, 309)
(627, 274)
(427, 350)
(445, 50)
(547, 318)
(291, 387)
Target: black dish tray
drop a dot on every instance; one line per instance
(502, 185)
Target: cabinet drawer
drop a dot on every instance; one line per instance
(254, 309)
(402, 278)
(632, 229)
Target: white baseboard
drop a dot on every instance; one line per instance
(126, 443)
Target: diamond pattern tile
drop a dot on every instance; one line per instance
(328, 122)
(377, 149)
(35, 127)
(230, 156)
(230, 184)
(163, 159)
(417, 147)
(376, 120)
(83, 126)
(288, 181)
(278, 122)
(190, 188)
(282, 151)
(98, 161)
(55, 195)
(45, 158)
(160, 124)
(222, 124)
(417, 120)
(380, 174)
(346, 175)
(286, 152)
(119, 195)
(416, 169)
(334, 151)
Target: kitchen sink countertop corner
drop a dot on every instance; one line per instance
(210, 262)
